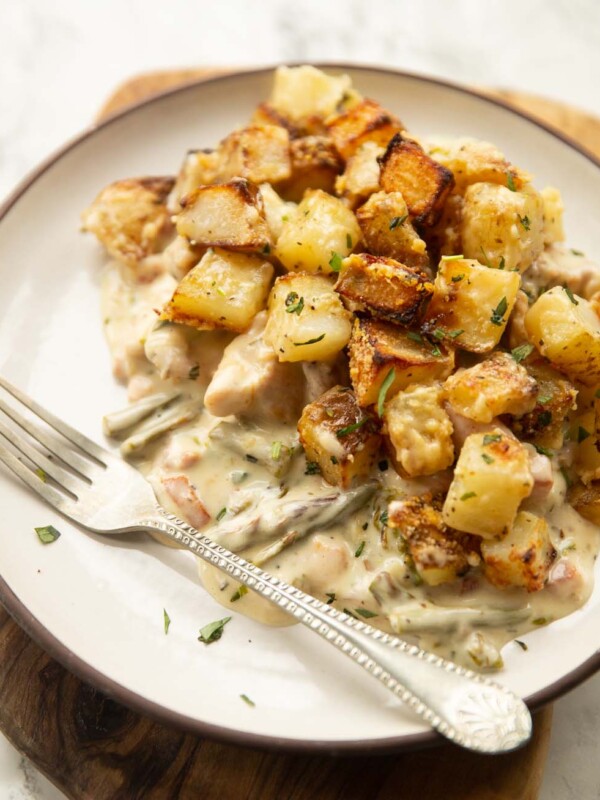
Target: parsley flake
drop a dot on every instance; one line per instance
(294, 308)
(348, 241)
(545, 418)
(330, 597)
(543, 399)
(457, 278)
(577, 252)
(521, 644)
(247, 700)
(452, 258)
(41, 474)
(571, 296)
(221, 514)
(582, 434)
(486, 260)
(335, 262)
(490, 438)
(166, 620)
(498, 313)
(359, 549)
(543, 451)
(276, 451)
(501, 263)
(525, 221)
(239, 594)
(416, 337)
(47, 534)
(455, 334)
(365, 613)
(397, 221)
(351, 428)
(312, 468)
(213, 631)
(487, 458)
(310, 341)
(510, 181)
(385, 386)
(522, 352)
(468, 495)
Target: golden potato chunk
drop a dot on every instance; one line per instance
(383, 287)
(364, 122)
(439, 553)
(495, 386)
(300, 93)
(553, 209)
(307, 321)
(586, 501)
(419, 430)
(315, 164)
(387, 231)
(502, 228)
(565, 330)
(556, 398)
(491, 477)
(277, 210)
(424, 184)
(338, 436)
(471, 303)
(521, 557)
(476, 161)
(199, 168)
(376, 348)
(266, 114)
(260, 153)
(317, 235)
(130, 218)
(228, 215)
(225, 290)
(361, 176)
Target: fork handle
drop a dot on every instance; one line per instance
(465, 707)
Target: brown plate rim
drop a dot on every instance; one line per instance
(149, 708)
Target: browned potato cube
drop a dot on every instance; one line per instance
(476, 161)
(387, 231)
(495, 386)
(383, 287)
(376, 348)
(556, 398)
(338, 436)
(199, 168)
(260, 153)
(361, 176)
(130, 217)
(365, 122)
(266, 114)
(586, 501)
(228, 215)
(521, 557)
(315, 164)
(424, 184)
(440, 554)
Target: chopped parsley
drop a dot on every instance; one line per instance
(490, 438)
(312, 468)
(486, 260)
(545, 418)
(439, 333)
(468, 495)
(41, 474)
(334, 460)
(487, 458)
(543, 399)
(525, 221)
(454, 334)
(194, 372)
(335, 262)
(348, 241)
(351, 428)
(521, 352)
(521, 644)
(577, 252)
(213, 631)
(397, 221)
(221, 514)
(540, 621)
(294, 306)
(501, 263)
(571, 296)
(330, 597)
(310, 341)
(582, 434)
(383, 518)
(238, 476)
(416, 337)
(436, 351)
(350, 614)
(510, 181)
(385, 386)
(359, 549)
(543, 451)
(457, 278)
(166, 620)
(239, 594)
(252, 459)
(47, 534)
(452, 258)
(365, 613)
(498, 313)
(276, 451)
(247, 700)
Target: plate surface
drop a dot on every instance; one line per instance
(96, 603)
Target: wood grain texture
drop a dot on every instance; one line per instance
(93, 748)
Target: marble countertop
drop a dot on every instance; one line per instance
(60, 60)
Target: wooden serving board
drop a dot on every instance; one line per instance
(93, 748)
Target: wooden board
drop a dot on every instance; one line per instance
(93, 748)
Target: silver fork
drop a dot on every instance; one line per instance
(103, 493)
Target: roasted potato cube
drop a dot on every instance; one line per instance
(130, 218)
(556, 398)
(386, 230)
(521, 557)
(277, 210)
(476, 161)
(383, 287)
(321, 230)
(491, 477)
(225, 290)
(366, 121)
(266, 114)
(315, 164)
(376, 348)
(228, 215)
(586, 501)
(424, 184)
(179, 257)
(338, 436)
(307, 321)
(199, 168)
(565, 330)
(361, 176)
(502, 228)
(300, 93)
(439, 553)
(553, 209)
(260, 153)
(495, 386)
(472, 299)
(419, 430)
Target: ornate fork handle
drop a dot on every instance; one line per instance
(466, 708)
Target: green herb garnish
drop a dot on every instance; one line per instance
(545, 418)
(436, 351)
(439, 333)
(490, 438)
(47, 534)
(455, 334)
(312, 468)
(396, 221)
(348, 241)
(294, 308)
(577, 252)
(276, 451)
(486, 260)
(571, 296)
(247, 700)
(310, 341)
(383, 518)
(521, 644)
(457, 278)
(452, 258)
(501, 263)
(41, 474)
(166, 620)
(335, 262)
(543, 451)
(221, 514)
(582, 434)
(252, 459)
(359, 549)
(385, 386)
(510, 182)
(498, 313)
(350, 614)
(543, 399)
(213, 631)
(330, 597)
(416, 337)
(468, 495)
(239, 594)
(351, 428)
(364, 612)
(525, 221)
(487, 458)
(521, 352)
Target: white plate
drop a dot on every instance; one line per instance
(97, 604)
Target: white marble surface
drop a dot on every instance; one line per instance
(59, 60)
